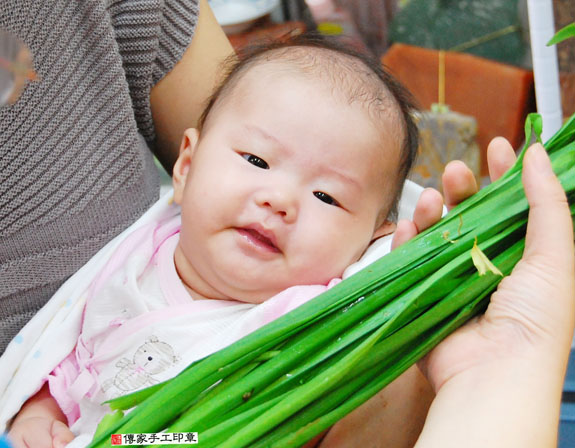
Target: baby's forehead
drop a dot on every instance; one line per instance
(344, 73)
(341, 75)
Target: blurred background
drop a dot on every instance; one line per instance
(467, 62)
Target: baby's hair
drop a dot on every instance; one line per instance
(378, 91)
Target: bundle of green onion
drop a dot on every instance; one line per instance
(295, 377)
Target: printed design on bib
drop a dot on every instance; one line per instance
(151, 358)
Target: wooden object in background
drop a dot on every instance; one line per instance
(498, 96)
(564, 12)
(567, 81)
(444, 136)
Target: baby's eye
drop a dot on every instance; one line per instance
(256, 161)
(324, 197)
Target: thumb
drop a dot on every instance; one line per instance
(549, 227)
(549, 252)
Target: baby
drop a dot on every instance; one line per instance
(295, 168)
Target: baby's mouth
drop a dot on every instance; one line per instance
(260, 238)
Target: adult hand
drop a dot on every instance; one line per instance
(499, 378)
(458, 184)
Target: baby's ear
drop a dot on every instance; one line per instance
(182, 165)
(386, 228)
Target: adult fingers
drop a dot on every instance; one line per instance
(458, 183)
(500, 157)
(428, 211)
(404, 231)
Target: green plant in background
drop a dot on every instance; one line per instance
(486, 28)
(563, 34)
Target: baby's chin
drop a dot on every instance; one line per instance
(260, 296)
(256, 297)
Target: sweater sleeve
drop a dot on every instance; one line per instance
(74, 168)
(152, 36)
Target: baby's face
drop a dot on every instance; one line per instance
(285, 186)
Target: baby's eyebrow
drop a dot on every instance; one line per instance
(344, 178)
(265, 135)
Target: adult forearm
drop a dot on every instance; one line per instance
(178, 99)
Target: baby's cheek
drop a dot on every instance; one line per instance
(327, 245)
(330, 262)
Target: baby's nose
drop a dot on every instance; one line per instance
(281, 202)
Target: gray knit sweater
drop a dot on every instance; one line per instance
(73, 170)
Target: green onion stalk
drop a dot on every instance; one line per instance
(290, 380)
